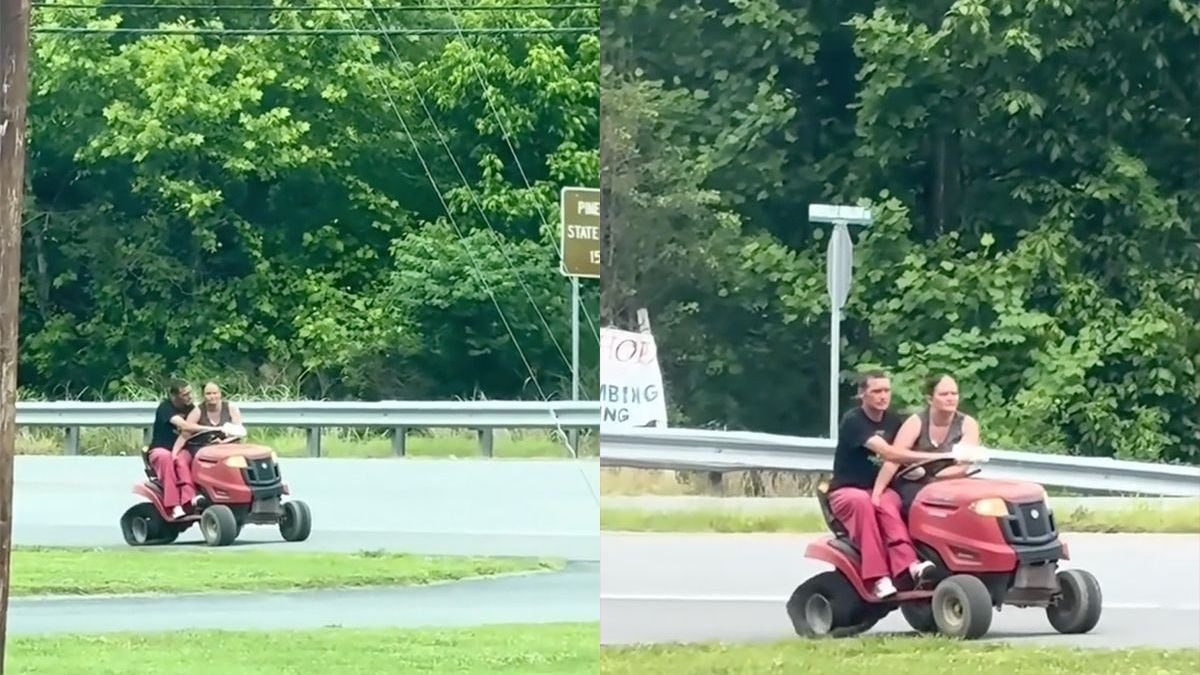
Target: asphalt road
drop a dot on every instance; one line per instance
(533, 508)
(730, 587)
(541, 508)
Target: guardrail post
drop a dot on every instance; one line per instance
(399, 435)
(314, 441)
(147, 435)
(573, 436)
(716, 482)
(72, 440)
(486, 442)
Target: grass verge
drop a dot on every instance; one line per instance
(68, 571)
(562, 649)
(896, 656)
(638, 482)
(1176, 519)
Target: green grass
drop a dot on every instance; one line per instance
(348, 443)
(895, 656)
(635, 482)
(560, 649)
(1141, 518)
(67, 571)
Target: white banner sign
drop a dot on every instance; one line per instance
(631, 384)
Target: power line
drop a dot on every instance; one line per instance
(311, 10)
(458, 230)
(475, 199)
(570, 447)
(508, 140)
(84, 30)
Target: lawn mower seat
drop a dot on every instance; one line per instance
(841, 535)
(149, 468)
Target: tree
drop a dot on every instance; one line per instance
(1036, 218)
(238, 205)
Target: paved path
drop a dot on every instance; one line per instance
(455, 507)
(431, 506)
(570, 595)
(686, 588)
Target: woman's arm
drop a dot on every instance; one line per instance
(193, 418)
(235, 417)
(970, 437)
(970, 431)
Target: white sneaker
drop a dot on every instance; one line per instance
(918, 569)
(884, 587)
(177, 512)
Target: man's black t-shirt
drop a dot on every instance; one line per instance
(852, 465)
(164, 433)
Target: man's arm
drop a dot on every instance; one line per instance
(906, 437)
(192, 418)
(179, 441)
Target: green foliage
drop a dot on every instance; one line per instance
(1037, 218)
(253, 208)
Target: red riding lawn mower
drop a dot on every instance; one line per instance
(238, 484)
(992, 543)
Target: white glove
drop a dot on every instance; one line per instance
(968, 454)
(232, 430)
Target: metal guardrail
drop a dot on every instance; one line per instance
(722, 451)
(484, 416)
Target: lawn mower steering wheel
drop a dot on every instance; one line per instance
(203, 438)
(933, 467)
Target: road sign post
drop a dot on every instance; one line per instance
(839, 270)
(579, 252)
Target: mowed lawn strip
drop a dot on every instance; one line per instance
(895, 656)
(75, 571)
(562, 649)
(1137, 519)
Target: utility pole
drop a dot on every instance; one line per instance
(14, 95)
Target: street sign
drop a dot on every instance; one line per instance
(839, 266)
(579, 245)
(837, 213)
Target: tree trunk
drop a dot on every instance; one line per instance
(14, 56)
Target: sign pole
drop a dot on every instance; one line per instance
(839, 267)
(835, 358)
(579, 253)
(579, 256)
(575, 338)
(840, 253)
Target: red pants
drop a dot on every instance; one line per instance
(879, 531)
(175, 475)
